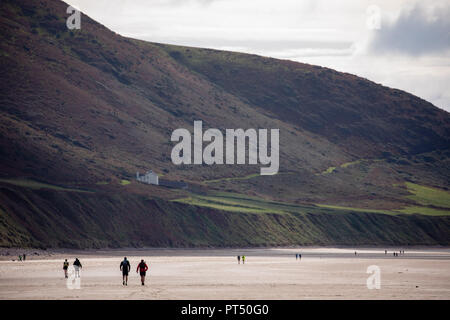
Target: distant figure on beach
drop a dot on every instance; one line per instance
(142, 267)
(300, 256)
(243, 259)
(125, 267)
(24, 256)
(77, 266)
(20, 258)
(296, 256)
(385, 251)
(239, 259)
(355, 253)
(65, 267)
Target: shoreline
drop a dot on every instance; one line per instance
(12, 254)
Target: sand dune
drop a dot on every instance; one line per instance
(322, 273)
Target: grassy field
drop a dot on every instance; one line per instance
(346, 165)
(424, 211)
(250, 176)
(428, 196)
(234, 202)
(233, 178)
(329, 170)
(353, 209)
(39, 185)
(237, 202)
(430, 201)
(220, 204)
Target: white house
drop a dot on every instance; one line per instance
(150, 178)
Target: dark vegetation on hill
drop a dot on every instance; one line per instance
(86, 109)
(77, 220)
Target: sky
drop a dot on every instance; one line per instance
(403, 44)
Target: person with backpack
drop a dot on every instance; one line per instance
(65, 267)
(142, 267)
(125, 267)
(77, 266)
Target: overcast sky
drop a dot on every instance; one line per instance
(399, 43)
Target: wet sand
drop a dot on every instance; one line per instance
(322, 273)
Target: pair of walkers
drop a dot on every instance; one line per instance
(125, 267)
(239, 259)
(76, 265)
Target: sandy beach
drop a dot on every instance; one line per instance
(322, 273)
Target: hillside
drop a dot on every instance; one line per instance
(83, 110)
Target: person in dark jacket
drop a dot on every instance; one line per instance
(125, 267)
(77, 266)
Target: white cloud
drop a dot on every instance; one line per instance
(418, 30)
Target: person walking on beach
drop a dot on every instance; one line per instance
(142, 267)
(77, 266)
(24, 256)
(125, 267)
(239, 259)
(300, 256)
(65, 267)
(296, 256)
(243, 259)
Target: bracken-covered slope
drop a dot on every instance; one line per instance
(88, 108)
